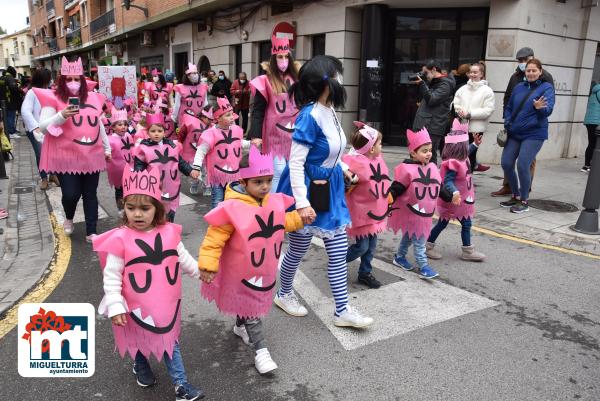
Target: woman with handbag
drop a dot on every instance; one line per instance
(526, 123)
(315, 178)
(475, 102)
(591, 121)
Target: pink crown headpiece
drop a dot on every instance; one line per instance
(417, 139)
(223, 106)
(280, 45)
(74, 68)
(457, 126)
(117, 115)
(145, 182)
(259, 165)
(192, 68)
(156, 118)
(369, 133)
(208, 113)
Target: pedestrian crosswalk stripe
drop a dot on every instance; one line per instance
(397, 308)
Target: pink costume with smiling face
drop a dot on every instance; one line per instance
(165, 158)
(281, 111)
(192, 97)
(413, 210)
(463, 180)
(247, 274)
(76, 146)
(151, 287)
(223, 158)
(115, 166)
(194, 128)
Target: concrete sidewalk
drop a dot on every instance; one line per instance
(27, 245)
(555, 180)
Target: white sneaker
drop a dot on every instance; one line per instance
(263, 362)
(68, 227)
(289, 304)
(241, 332)
(352, 318)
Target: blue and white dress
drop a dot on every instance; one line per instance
(318, 143)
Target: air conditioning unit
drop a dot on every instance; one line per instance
(146, 38)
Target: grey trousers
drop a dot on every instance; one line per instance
(255, 330)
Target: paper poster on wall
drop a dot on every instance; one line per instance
(117, 83)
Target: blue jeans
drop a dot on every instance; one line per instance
(365, 249)
(76, 186)
(217, 195)
(174, 365)
(521, 153)
(279, 164)
(419, 249)
(465, 232)
(11, 123)
(37, 149)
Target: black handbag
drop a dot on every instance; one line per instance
(319, 191)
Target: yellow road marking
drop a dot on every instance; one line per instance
(530, 242)
(58, 266)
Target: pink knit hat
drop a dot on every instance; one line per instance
(417, 139)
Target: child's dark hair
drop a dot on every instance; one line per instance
(457, 151)
(162, 80)
(358, 140)
(160, 217)
(314, 76)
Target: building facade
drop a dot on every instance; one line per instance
(16, 50)
(380, 43)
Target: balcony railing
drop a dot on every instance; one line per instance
(70, 3)
(74, 38)
(103, 25)
(52, 44)
(50, 12)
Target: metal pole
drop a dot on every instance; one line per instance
(3, 175)
(587, 223)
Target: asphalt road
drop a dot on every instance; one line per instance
(524, 325)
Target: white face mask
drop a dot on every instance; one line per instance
(194, 78)
(242, 81)
(522, 66)
(155, 79)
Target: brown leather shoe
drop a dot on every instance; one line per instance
(44, 184)
(504, 191)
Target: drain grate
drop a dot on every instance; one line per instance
(552, 206)
(22, 190)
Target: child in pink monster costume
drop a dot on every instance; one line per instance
(120, 145)
(222, 147)
(165, 155)
(240, 253)
(191, 128)
(142, 287)
(75, 146)
(163, 108)
(456, 172)
(190, 95)
(367, 200)
(416, 187)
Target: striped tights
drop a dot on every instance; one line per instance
(337, 272)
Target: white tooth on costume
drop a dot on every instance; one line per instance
(252, 280)
(165, 195)
(289, 125)
(150, 321)
(469, 199)
(416, 207)
(423, 210)
(258, 282)
(137, 312)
